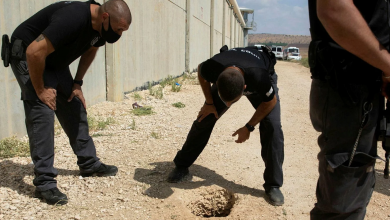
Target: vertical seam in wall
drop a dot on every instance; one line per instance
(105, 65)
(212, 11)
(105, 69)
(187, 33)
(224, 25)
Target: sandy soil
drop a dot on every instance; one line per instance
(140, 191)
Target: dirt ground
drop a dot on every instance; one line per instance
(144, 156)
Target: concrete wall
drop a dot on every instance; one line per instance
(154, 46)
(167, 37)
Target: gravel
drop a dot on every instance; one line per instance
(139, 191)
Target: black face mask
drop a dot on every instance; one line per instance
(110, 36)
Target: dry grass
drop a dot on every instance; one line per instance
(13, 147)
(99, 124)
(146, 110)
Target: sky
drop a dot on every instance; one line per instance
(279, 16)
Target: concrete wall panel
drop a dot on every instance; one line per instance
(154, 46)
(218, 26)
(202, 10)
(11, 107)
(200, 43)
(217, 42)
(236, 30)
(179, 3)
(218, 15)
(228, 20)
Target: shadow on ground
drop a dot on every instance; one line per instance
(161, 189)
(13, 174)
(382, 184)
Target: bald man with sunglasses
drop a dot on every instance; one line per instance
(48, 42)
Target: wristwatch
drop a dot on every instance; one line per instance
(80, 82)
(250, 127)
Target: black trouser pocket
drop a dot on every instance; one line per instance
(343, 189)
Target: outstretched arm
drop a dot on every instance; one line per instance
(263, 110)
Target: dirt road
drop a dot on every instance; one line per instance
(144, 150)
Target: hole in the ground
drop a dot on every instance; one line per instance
(214, 202)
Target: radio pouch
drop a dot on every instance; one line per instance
(5, 50)
(17, 51)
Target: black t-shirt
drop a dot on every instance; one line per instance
(257, 67)
(67, 25)
(373, 11)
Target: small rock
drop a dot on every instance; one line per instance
(15, 201)
(12, 207)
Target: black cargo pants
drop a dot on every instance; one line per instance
(343, 192)
(271, 138)
(40, 124)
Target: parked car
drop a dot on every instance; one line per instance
(278, 51)
(291, 53)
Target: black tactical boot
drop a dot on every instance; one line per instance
(103, 170)
(275, 196)
(52, 196)
(178, 174)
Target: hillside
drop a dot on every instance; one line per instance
(278, 38)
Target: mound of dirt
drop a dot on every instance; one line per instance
(214, 202)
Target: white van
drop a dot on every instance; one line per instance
(259, 46)
(278, 51)
(291, 53)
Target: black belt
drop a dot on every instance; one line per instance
(359, 79)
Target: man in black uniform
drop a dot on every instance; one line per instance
(47, 43)
(348, 57)
(234, 73)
